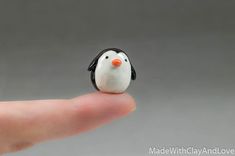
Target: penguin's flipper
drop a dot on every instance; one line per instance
(133, 73)
(93, 80)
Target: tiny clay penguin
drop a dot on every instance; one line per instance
(111, 71)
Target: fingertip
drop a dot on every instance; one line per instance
(123, 103)
(124, 98)
(86, 112)
(98, 108)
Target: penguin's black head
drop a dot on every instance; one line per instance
(94, 62)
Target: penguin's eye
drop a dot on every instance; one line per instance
(126, 60)
(106, 57)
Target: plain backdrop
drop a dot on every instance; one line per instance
(183, 52)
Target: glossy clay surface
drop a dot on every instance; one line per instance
(113, 79)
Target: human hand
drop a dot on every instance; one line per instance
(25, 123)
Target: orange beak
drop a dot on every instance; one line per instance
(116, 62)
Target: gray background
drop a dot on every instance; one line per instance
(183, 52)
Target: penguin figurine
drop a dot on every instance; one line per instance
(111, 71)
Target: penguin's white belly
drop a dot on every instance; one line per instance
(113, 80)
